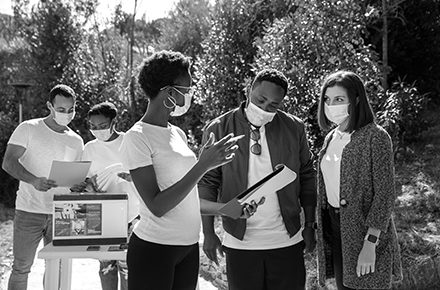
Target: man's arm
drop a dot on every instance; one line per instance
(14, 168)
(308, 193)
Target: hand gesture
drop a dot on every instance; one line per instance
(366, 259)
(214, 154)
(211, 245)
(43, 184)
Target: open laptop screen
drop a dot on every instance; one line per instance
(89, 219)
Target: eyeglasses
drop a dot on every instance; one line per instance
(190, 90)
(255, 136)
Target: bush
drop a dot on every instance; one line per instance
(400, 111)
(319, 38)
(9, 184)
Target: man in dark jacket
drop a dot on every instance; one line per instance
(266, 250)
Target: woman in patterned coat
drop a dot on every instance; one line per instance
(357, 239)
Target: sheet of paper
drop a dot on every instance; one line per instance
(277, 182)
(69, 173)
(271, 183)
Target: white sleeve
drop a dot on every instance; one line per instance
(182, 134)
(20, 136)
(135, 151)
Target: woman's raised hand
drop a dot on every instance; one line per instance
(214, 154)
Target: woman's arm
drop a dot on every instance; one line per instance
(160, 202)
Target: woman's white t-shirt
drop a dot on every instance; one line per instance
(103, 154)
(166, 149)
(331, 166)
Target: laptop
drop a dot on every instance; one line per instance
(89, 219)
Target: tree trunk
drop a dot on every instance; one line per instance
(132, 95)
(385, 67)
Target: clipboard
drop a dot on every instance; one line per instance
(276, 180)
(69, 173)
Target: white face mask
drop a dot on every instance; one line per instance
(63, 119)
(257, 116)
(102, 135)
(337, 113)
(179, 110)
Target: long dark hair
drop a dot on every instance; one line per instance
(360, 111)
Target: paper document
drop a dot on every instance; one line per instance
(69, 173)
(271, 183)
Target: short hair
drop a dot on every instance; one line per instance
(105, 109)
(273, 76)
(162, 69)
(63, 90)
(360, 111)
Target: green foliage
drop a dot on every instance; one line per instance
(319, 38)
(400, 111)
(52, 34)
(413, 41)
(186, 27)
(225, 65)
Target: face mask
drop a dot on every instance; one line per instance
(179, 110)
(336, 113)
(257, 116)
(102, 135)
(63, 119)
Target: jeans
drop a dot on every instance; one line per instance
(108, 272)
(29, 229)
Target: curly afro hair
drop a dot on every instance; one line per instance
(162, 69)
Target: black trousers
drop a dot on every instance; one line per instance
(335, 228)
(161, 267)
(277, 269)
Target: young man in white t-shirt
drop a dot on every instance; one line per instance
(265, 251)
(31, 149)
(110, 177)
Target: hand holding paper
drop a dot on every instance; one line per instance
(108, 176)
(69, 173)
(276, 180)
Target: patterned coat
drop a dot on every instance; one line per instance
(367, 190)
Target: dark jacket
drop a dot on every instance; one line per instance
(367, 188)
(287, 142)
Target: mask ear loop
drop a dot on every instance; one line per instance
(172, 100)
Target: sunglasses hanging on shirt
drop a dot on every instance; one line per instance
(255, 136)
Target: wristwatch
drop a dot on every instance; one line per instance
(310, 225)
(372, 239)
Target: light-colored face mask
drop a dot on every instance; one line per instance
(63, 119)
(257, 116)
(337, 113)
(180, 110)
(103, 134)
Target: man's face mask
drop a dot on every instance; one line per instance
(62, 119)
(257, 116)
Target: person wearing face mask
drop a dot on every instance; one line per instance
(32, 147)
(266, 250)
(163, 251)
(108, 174)
(357, 239)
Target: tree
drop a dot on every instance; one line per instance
(225, 66)
(187, 26)
(319, 38)
(413, 46)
